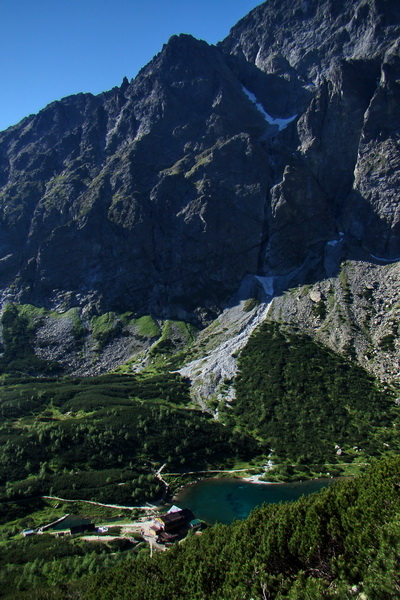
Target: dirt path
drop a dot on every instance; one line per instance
(159, 476)
(149, 507)
(165, 484)
(212, 471)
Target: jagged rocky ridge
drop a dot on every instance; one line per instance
(273, 155)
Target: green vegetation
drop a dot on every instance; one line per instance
(319, 309)
(175, 335)
(307, 402)
(79, 331)
(250, 304)
(387, 343)
(45, 560)
(201, 160)
(79, 438)
(347, 295)
(177, 168)
(99, 439)
(104, 438)
(19, 326)
(341, 543)
(105, 328)
(147, 327)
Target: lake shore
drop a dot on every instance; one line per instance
(223, 500)
(257, 479)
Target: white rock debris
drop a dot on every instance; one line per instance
(231, 332)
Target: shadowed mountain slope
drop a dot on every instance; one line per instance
(162, 194)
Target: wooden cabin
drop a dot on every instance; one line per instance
(174, 525)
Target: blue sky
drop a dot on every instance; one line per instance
(53, 48)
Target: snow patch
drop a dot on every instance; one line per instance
(267, 283)
(388, 260)
(281, 123)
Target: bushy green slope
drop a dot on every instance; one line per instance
(307, 402)
(337, 544)
(47, 560)
(79, 438)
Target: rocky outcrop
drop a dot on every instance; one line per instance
(356, 314)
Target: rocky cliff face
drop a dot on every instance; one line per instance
(274, 154)
(133, 199)
(340, 178)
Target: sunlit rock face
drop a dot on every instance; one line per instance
(213, 163)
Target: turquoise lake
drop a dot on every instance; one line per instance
(224, 500)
